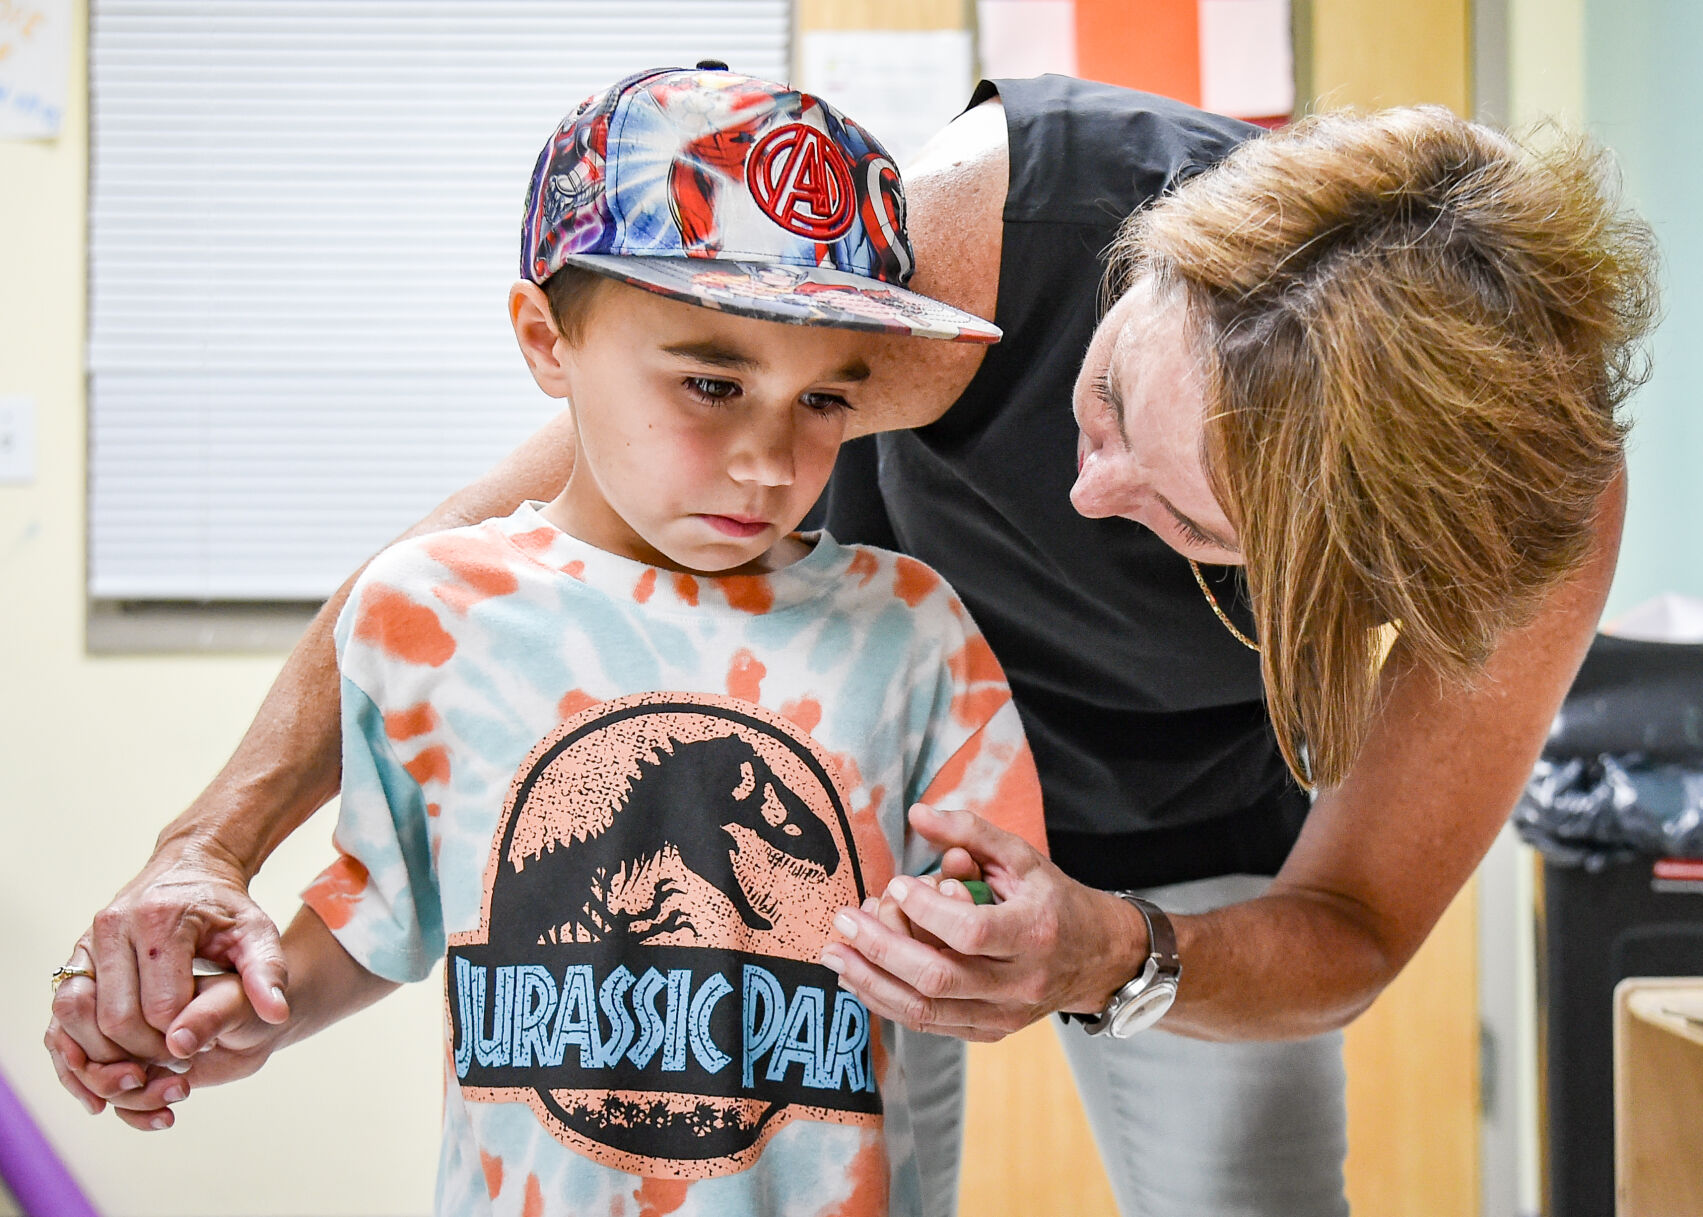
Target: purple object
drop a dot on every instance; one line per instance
(33, 1173)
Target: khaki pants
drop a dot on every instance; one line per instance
(1185, 1128)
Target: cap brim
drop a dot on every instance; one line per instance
(794, 295)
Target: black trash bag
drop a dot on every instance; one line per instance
(1598, 813)
(1622, 772)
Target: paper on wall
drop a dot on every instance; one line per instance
(1027, 37)
(901, 85)
(17, 440)
(35, 67)
(1247, 59)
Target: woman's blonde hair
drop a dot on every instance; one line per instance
(1414, 333)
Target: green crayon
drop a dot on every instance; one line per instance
(980, 892)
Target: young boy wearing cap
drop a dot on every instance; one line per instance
(619, 757)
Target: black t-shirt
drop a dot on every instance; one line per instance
(1156, 758)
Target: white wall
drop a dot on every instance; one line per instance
(1546, 53)
(1640, 80)
(96, 754)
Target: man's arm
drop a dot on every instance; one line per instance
(192, 897)
(1380, 859)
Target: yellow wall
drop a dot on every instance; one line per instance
(1546, 61)
(97, 754)
(1368, 54)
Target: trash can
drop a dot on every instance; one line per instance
(1615, 805)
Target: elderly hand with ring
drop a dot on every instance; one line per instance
(114, 1036)
(95, 1069)
(231, 1040)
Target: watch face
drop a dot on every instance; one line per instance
(1143, 1010)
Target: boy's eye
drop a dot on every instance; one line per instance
(708, 388)
(825, 403)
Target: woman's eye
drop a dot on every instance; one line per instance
(708, 388)
(1194, 534)
(1103, 385)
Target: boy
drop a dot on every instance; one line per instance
(620, 757)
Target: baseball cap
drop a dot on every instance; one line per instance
(736, 194)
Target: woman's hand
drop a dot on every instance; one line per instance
(141, 1092)
(1050, 944)
(95, 1070)
(119, 1042)
(186, 903)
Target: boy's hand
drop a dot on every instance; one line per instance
(886, 910)
(142, 1092)
(956, 866)
(236, 1040)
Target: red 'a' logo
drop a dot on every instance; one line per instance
(801, 181)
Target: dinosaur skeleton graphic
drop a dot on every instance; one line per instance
(689, 800)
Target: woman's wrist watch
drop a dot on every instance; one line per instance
(1143, 1001)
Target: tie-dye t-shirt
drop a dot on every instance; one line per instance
(624, 804)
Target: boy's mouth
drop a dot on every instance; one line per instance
(743, 527)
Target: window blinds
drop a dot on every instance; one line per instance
(303, 222)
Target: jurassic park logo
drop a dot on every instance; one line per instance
(645, 976)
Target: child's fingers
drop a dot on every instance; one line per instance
(163, 1089)
(113, 1081)
(219, 1010)
(147, 1121)
(957, 863)
(888, 913)
(74, 1086)
(886, 910)
(104, 1081)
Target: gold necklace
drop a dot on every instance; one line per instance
(1213, 601)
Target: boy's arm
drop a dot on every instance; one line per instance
(192, 896)
(327, 985)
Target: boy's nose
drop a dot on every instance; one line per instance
(765, 456)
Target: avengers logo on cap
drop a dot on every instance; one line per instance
(801, 181)
(736, 194)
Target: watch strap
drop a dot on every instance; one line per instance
(1162, 963)
(1161, 936)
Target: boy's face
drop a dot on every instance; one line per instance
(704, 437)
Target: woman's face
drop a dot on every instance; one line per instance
(1140, 404)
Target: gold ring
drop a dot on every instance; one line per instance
(65, 973)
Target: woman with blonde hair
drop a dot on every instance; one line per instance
(1366, 370)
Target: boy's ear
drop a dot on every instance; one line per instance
(540, 343)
